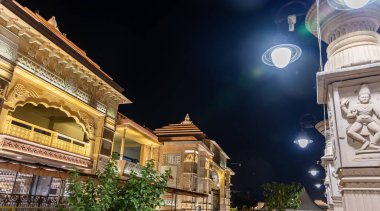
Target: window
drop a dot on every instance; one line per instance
(172, 159)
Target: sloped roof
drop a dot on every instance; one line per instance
(184, 131)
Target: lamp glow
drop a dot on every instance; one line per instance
(318, 185)
(303, 142)
(313, 172)
(349, 4)
(281, 57)
(356, 4)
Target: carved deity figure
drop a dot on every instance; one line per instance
(365, 123)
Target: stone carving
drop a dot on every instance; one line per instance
(3, 88)
(89, 124)
(364, 129)
(53, 22)
(32, 50)
(39, 151)
(7, 49)
(191, 158)
(70, 84)
(19, 91)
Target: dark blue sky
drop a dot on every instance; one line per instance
(204, 58)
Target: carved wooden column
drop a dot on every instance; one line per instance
(350, 86)
(103, 145)
(8, 54)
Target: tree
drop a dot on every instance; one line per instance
(97, 195)
(282, 196)
(107, 193)
(144, 193)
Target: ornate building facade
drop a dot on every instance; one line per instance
(198, 165)
(58, 109)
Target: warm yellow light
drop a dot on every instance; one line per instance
(281, 57)
(356, 4)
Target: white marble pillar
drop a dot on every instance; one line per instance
(350, 86)
(333, 196)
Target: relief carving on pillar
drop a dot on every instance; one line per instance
(364, 120)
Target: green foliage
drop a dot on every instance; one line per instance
(144, 193)
(234, 209)
(282, 196)
(106, 193)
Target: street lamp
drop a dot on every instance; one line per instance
(349, 4)
(313, 172)
(303, 139)
(281, 55)
(318, 185)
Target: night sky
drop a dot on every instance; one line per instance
(203, 57)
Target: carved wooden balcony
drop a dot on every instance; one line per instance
(37, 141)
(25, 130)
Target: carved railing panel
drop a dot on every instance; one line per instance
(25, 130)
(31, 201)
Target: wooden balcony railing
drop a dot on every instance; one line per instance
(25, 130)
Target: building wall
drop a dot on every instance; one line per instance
(195, 176)
(39, 70)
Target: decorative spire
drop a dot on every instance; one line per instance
(187, 120)
(52, 21)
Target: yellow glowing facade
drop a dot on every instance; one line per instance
(58, 109)
(200, 176)
(133, 145)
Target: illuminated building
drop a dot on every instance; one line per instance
(134, 145)
(198, 165)
(58, 109)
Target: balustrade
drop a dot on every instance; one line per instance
(28, 131)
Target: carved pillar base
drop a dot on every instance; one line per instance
(337, 204)
(361, 188)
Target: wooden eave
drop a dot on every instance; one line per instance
(41, 25)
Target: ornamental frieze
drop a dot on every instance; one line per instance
(40, 151)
